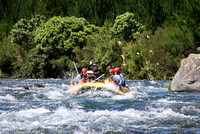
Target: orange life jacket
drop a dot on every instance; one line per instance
(111, 80)
(84, 80)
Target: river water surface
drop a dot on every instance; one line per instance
(148, 108)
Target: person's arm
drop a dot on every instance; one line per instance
(77, 78)
(119, 80)
(90, 65)
(99, 72)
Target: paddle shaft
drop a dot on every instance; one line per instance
(116, 80)
(99, 77)
(72, 77)
(76, 68)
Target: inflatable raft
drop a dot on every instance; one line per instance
(96, 86)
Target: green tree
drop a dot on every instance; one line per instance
(55, 41)
(9, 54)
(58, 36)
(23, 31)
(35, 65)
(127, 27)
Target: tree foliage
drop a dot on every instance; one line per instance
(155, 56)
(55, 41)
(58, 36)
(23, 31)
(127, 27)
(46, 47)
(9, 53)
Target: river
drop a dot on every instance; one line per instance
(148, 108)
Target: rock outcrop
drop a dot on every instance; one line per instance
(187, 79)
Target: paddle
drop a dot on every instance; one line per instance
(120, 86)
(132, 85)
(71, 83)
(76, 68)
(72, 77)
(98, 77)
(73, 74)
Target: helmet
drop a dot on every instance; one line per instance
(116, 69)
(111, 70)
(84, 70)
(90, 72)
(94, 64)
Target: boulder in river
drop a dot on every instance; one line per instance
(187, 79)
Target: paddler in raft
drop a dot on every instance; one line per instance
(95, 69)
(85, 76)
(110, 79)
(119, 77)
(81, 78)
(90, 76)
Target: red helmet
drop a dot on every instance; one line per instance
(84, 70)
(116, 69)
(111, 70)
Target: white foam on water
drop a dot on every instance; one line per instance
(97, 94)
(104, 120)
(54, 94)
(153, 82)
(72, 89)
(7, 97)
(133, 94)
(166, 113)
(21, 120)
(49, 85)
(64, 86)
(30, 113)
(151, 89)
(167, 101)
(190, 109)
(109, 120)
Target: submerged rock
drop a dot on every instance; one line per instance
(187, 79)
(26, 87)
(34, 85)
(38, 85)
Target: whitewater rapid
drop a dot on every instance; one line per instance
(148, 108)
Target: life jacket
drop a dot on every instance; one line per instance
(96, 73)
(111, 80)
(84, 78)
(90, 79)
(116, 79)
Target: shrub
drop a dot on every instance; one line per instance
(9, 54)
(164, 50)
